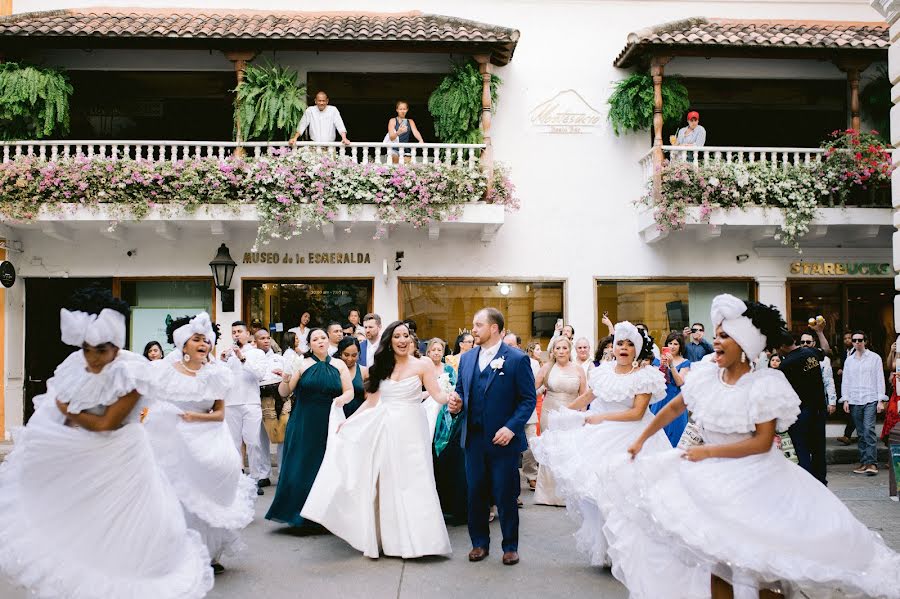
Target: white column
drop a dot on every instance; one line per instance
(773, 291)
(891, 11)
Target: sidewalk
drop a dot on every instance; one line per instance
(837, 453)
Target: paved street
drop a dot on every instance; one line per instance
(279, 564)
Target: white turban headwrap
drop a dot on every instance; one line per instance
(728, 312)
(199, 324)
(626, 330)
(78, 327)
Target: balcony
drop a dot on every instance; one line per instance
(170, 185)
(864, 218)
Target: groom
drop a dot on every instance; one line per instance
(495, 393)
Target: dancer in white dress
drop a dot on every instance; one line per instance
(192, 442)
(733, 517)
(578, 443)
(85, 512)
(376, 485)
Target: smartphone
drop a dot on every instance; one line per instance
(559, 322)
(606, 313)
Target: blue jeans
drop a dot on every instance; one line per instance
(808, 435)
(864, 419)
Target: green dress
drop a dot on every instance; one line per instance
(359, 394)
(304, 441)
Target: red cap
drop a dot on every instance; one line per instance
(693, 115)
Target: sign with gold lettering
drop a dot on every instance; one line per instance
(307, 258)
(566, 112)
(842, 269)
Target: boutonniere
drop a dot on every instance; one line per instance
(497, 364)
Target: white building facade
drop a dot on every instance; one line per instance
(579, 245)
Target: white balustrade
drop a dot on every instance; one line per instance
(457, 155)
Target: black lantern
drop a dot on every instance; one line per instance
(223, 270)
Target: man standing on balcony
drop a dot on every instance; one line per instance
(322, 120)
(692, 135)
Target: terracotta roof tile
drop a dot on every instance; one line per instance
(179, 23)
(702, 32)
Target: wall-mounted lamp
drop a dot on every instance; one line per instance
(742, 258)
(505, 289)
(222, 267)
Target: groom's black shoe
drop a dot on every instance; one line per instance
(263, 483)
(477, 554)
(510, 558)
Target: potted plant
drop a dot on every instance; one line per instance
(34, 102)
(269, 103)
(631, 103)
(456, 104)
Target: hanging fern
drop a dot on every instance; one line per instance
(269, 103)
(456, 104)
(875, 103)
(34, 102)
(631, 103)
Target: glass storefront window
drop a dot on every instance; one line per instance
(444, 308)
(663, 306)
(846, 306)
(279, 305)
(155, 303)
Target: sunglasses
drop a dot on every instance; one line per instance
(860, 340)
(809, 342)
(696, 330)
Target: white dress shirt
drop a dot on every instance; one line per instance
(247, 376)
(302, 345)
(292, 361)
(322, 123)
(371, 348)
(271, 361)
(332, 349)
(863, 381)
(487, 354)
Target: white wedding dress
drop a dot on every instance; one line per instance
(90, 515)
(376, 484)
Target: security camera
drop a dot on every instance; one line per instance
(131, 253)
(742, 258)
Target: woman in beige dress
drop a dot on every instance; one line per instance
(564, 381)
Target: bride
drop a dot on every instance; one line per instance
(376, 485)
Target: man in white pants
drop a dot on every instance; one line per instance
(243, 411)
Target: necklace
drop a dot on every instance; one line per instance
(189, 369)
(616, 370)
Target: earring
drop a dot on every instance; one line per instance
(634, 364)
(743, 357)
(186, 358)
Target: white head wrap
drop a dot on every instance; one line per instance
(201, 324)
(728, 312)
(626, 330)
(78, 328)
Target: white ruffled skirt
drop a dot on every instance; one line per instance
(88, 515)
(758, 522)
(200, 460)
(577, 455)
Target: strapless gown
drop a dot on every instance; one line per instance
(376, 488)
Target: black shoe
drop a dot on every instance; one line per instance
(217, 568)
(263, 483)
(260, 491)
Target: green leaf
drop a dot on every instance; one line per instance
(631, 103)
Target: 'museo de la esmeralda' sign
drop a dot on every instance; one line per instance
(841, 268)
(307, 258)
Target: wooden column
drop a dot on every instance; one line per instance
(239, 59)
(657, 65)
(853, 69)
(487, 158)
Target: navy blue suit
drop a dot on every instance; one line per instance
(494, 398)
(363, 352)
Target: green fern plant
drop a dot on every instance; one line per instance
(34, 102)
(631, 103)
(269, 103)
(456, 104)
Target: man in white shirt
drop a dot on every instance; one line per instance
(243, 411)
(372, 330)
(322, 120)
(862, 392)
(271, 401)
(335, 333)
(353, 318)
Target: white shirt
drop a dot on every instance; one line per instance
(301, 333)
(371, 348)
(487, 354)
(271, 361)
(322, 123)
(247, 376)
(863, 381)
(332, 349)
(292, 361)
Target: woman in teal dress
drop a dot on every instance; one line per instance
(348, 352)
(319, 382)
(447, 454)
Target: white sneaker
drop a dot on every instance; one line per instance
(895, 498)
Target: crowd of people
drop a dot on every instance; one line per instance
(129, 479)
